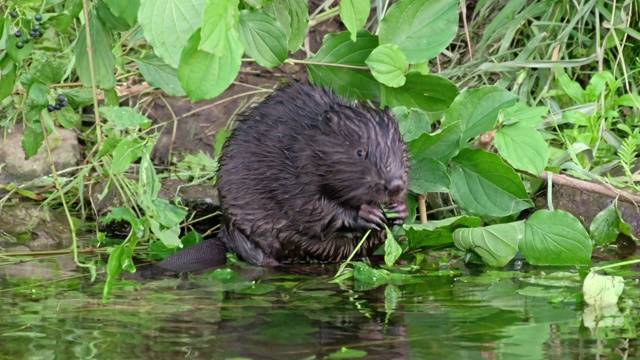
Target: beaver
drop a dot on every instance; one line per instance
(302, 178)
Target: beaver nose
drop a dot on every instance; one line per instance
(394, 186)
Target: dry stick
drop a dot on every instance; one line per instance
(92, 71)
(422, 208)
(605, 190)
(466, 29)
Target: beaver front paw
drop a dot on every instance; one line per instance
(396, 214)
(370, 217)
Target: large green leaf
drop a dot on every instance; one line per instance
(412, 122)
(388, 65)
(437, 232)
(555, 238)
(104, 61)
(219, 17)
(441, 145)
(428, 175)
(431, 93)
(168, 25)
(496, 244)
(354, 14)
(126, 9)
(203, 75)
(478, 109)
(339, 49)
(422, 28)
(523, 147)
(293, 15)
(157, 73)
(482, 184)
(263, 37)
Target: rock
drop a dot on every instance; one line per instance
(65, 152)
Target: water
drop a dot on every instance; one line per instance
(49, 311)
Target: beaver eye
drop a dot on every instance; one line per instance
(361, 153)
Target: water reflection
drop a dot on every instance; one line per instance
(260, 314)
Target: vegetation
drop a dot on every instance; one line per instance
(489, 107)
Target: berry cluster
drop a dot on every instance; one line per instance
(61, 101)
(35, 33)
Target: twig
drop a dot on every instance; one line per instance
(602, 189)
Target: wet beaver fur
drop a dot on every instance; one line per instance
(302, 178)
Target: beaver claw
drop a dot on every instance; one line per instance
(396, 214)
(370, 217)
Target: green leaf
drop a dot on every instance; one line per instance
(597, 85)
(157, 73)
(169, 236)
(422, 28)
(482, 184)
(349, 83)
(263, 37)
(203, 75)
(7, 77)
(632, 100)
(523, 115)
(428, 175)
(79, 97)
(366, 278)
(354, 14)
(496, 244)
(606, 226)
(67, 117)
(431, 93)
(602, 290)
(392, 250)
(388, 65)
(219, 17)
(103, 59)
(17, 55)
(478, 109)
(123, 117)
(108, 19)
(570, 87)
(437, 232)
(293, 15)
(346, 353)
(169, 24)
(32, 139)
(38, 93)
(441, 145)
(412, 122)
(127, 151)
(168, 214)
(555, 238)
(126, 9)
(523, 147)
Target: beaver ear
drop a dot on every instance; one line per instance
(330, 120)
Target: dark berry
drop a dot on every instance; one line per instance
(33, 33)
(14, 14)
(61, 98)
(63, 103)
(38, 17)
(18, 33)
(26, 40)
(50, 108)
(19, 44)
(57, 106)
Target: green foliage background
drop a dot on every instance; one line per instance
(553, 82)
